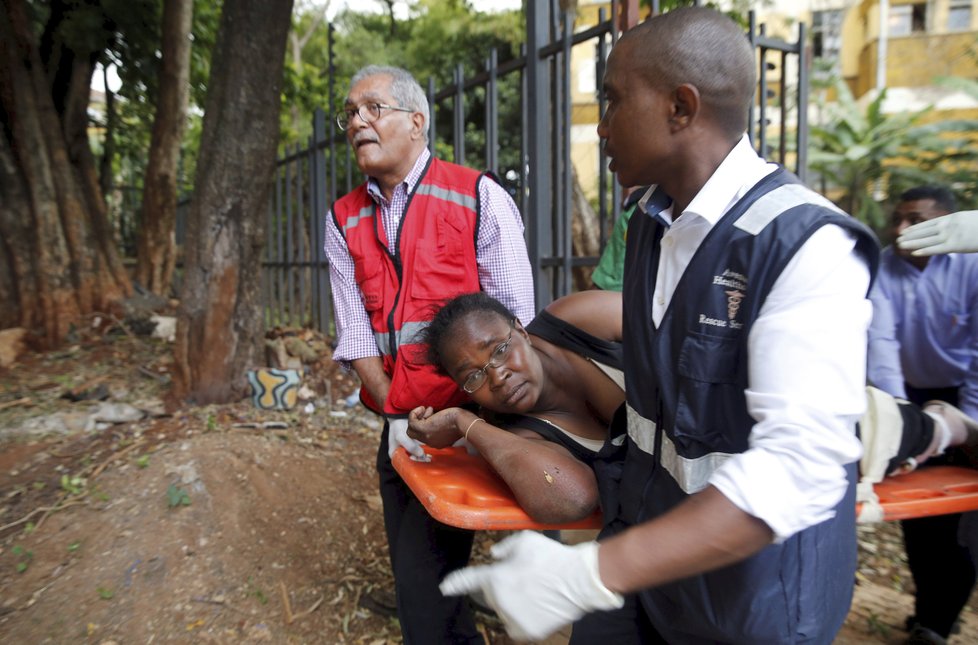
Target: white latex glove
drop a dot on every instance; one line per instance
(538, 586)
(954, 233)
(398, 437)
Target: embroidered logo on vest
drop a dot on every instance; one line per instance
(734, 298)
(735, 295)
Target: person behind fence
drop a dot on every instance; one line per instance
(745, 318)
(607, 273)
(923, 347)
(417, 232)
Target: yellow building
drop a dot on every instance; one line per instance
(917, 42)
(584, 95)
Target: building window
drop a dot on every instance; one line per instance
(959, 15)
(906, 19)
(827, 33)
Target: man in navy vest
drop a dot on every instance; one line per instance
(416, 233)
(745, 326)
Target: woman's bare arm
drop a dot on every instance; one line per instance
(549, 483)
(596, 312)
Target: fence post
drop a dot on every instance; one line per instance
(563, 104)
(458, 114)
(332, 121)
(432, 107)
(801, 152)
(629, 14)
(539, 178)
(492, 114)
(320, 206)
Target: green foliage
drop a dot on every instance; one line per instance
(105, 593)
(435, 37)
(866, 153)
(176, 496)
(74, 485)
(135, 54)
(254, 590)
(24, 557)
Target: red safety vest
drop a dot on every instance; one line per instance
(433, 260)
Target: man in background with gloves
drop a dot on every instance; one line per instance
(952, 233)
(924, 347)
(418, 232)
(745, 313)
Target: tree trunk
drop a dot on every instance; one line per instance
(585, 233)
(18, 280)
(61, 265)
(220, 323)
(156, 248)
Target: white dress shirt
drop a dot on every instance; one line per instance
(806, 359)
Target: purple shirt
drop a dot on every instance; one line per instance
(925, 326)
(504, 267)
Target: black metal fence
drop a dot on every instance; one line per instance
(540, 176)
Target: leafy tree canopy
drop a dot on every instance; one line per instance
(865, 154)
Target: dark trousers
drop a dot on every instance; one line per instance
(422, 552)
(942, 568)
(629, 625)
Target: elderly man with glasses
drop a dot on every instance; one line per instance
(416, 233)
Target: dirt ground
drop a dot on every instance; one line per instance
(227, 524)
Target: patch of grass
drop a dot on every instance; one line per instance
(142, 461)
(257, 592)
(24, 557)
(105, 593)
(176, 496)
(64, 380)
(877, 626)
(73, 484)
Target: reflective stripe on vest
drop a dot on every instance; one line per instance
(465, 201)
(692, 475)
(367, 212)
(770, 205)
(406, 335)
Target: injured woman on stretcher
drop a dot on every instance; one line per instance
(548, 394)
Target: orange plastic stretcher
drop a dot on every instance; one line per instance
(462, 490)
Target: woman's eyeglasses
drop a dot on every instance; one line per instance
(478, 378)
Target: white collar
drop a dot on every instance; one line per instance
(736, 174)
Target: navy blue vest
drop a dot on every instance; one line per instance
(688, 378)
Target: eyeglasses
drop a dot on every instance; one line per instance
(478, 378)
(368, 113)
